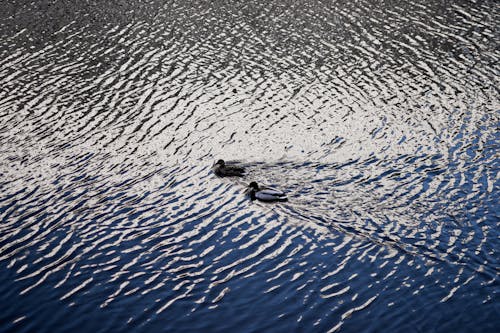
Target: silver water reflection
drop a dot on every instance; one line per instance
(380, 120)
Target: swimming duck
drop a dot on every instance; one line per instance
(222, 170)
(265, 193)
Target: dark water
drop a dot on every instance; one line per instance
(380, 119)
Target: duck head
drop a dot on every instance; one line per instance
(252, 189)
(220, 163)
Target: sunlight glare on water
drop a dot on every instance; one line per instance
(379, 119)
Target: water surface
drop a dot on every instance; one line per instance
(380, 119)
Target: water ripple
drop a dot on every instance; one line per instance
(379, 120)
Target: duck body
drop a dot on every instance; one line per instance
(266, 194)
(222, 170)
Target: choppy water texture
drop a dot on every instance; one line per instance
(380, 119)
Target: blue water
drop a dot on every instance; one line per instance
(380, 120)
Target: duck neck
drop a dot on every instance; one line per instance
(252, 194)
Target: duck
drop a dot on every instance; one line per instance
(266, 194)
(222, 170)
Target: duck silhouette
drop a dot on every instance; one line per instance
(266, 194)
(222, 170)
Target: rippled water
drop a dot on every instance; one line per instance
(380, 119)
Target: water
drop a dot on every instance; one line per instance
(379, 119)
